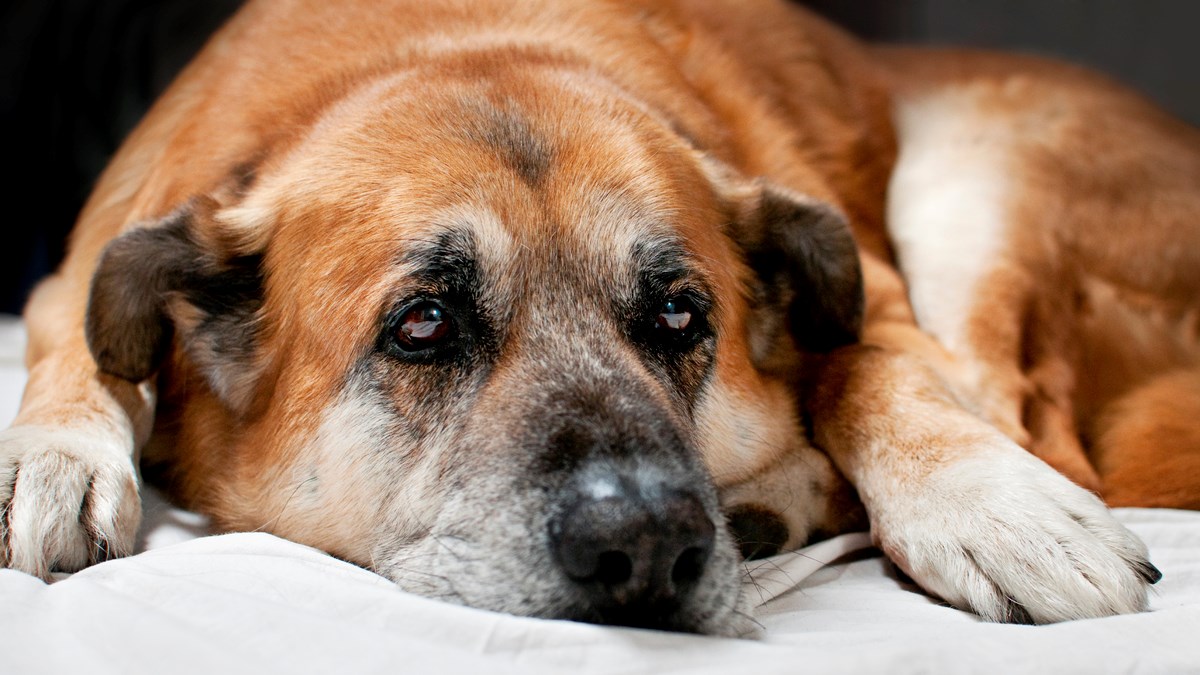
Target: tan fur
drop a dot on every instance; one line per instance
(1145, 444)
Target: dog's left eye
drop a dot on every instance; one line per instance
(679, 324)
(675, 315)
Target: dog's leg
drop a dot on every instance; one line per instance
(967, 513)
(1140, 392)
(963, 509)
(997, 302)
(1147, 444)
(68, 477)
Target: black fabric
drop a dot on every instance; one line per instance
(75, 76)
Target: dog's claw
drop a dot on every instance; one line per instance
(1148, 572)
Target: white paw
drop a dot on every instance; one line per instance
(67, 500)
(1005, 536)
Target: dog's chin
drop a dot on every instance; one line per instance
(522, 581)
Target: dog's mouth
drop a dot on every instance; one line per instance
(615, 524)
(624, 559)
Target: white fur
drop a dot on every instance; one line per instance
(1002, 534)
(946, 209)
(354, 469)
(64, 494)
(494, 243)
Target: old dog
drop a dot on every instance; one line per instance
(560, 308)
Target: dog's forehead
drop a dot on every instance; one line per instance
(551, 172)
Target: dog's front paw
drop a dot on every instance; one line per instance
(1007, 537)
(67, 500)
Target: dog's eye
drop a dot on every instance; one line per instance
(422, 326)
(675, 326)
(675, 315)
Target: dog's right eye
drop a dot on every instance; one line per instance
(422, 326)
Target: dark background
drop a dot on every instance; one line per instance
(75, 76)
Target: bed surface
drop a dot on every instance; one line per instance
(191, 603)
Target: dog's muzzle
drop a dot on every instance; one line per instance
(634, 522)
(626, 525)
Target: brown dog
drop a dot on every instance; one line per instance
(491, 297)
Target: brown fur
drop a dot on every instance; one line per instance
(282, 135)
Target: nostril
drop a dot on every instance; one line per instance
(613, 567)
(689, 567)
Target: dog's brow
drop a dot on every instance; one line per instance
(446, 262)
(661, 259)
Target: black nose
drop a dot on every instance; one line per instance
(635, 556)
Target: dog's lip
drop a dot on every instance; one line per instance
(717, 619)
(669, 617)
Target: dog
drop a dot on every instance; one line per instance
(561, 309)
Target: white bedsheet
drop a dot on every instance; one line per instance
(254, 603)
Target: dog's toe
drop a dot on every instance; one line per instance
(1011, 540)
(65, 502)
(1046, 571)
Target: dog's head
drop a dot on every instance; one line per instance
(498, 341)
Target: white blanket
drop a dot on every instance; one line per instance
(258, 604)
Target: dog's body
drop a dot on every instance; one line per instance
(478, 293)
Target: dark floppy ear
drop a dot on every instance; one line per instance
(175, 277)
(807, 265)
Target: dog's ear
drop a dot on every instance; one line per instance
(808, 278)
(178, 277)
(807, 264)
